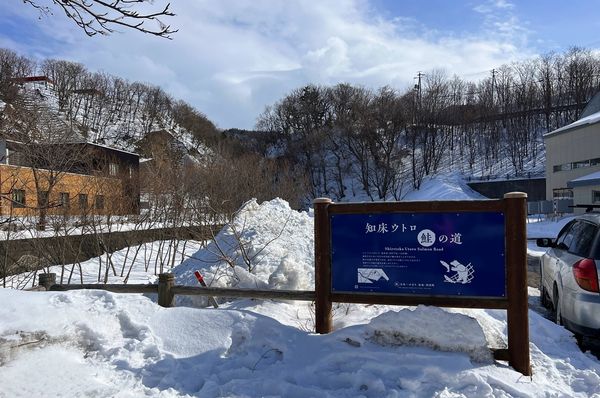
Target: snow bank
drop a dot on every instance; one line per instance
(430, 327)
(267, 246)
(449, 186)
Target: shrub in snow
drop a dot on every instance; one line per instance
(430, 327)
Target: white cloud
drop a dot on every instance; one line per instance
(230, 59)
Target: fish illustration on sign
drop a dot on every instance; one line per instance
(462, 273)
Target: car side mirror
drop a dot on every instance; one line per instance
(544, 242)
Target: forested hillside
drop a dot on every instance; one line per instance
(191, 156)
(343, 141)
(351, 139)
(106, 108)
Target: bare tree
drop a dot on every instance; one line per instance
(105, 16)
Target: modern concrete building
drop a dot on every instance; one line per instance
(573, 160)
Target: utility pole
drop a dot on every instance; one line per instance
(418, 96)
(493, 85)
(418, 87)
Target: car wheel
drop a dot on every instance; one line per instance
(544, 298)
(557, 310)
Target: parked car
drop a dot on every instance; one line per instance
(569, 275)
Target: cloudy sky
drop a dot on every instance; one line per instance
(232, 58)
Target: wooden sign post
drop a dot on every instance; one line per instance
(464, 254)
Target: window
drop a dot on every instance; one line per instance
(595, 196)
(581, 164)
(130, 171)
(113, 169)
(562, 193)
(18, 198)
(64, 200)
(99, 202)
(576, 165)
(562, 167)
(43, 199)
(564, 237)
(83, 201)
(583, 236)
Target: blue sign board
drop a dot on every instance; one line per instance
(434, 254)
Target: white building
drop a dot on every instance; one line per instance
(573, 159)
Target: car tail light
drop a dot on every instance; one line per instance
(586, 275)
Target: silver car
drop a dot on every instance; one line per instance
(569, 275)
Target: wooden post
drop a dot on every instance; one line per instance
(516, 262)
(323, 319)
(166, 298)
(47, 280)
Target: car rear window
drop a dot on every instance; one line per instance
(583, 237)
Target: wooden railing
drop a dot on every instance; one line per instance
(167, 290)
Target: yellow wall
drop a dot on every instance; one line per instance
(15, 177)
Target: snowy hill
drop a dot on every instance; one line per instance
(96, 116)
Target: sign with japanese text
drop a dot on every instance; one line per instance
(434, 254)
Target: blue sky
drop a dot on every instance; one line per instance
(232, 58)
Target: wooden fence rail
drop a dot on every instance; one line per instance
(167, 290)
(300, 295)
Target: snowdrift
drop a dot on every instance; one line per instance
(267, 246)
(450, 186)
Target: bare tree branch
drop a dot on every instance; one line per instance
(102, 17)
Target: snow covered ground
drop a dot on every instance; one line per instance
(136, 264)
(95, 343)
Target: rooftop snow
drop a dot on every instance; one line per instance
(589, 120)
(586, 180)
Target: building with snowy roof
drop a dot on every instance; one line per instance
(573, 159)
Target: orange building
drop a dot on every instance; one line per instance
(67, 179)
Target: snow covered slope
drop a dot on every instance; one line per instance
(116, 122)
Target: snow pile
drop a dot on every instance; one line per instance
(96, 343)
(266, 246)
(419, 327)
(449, 186)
